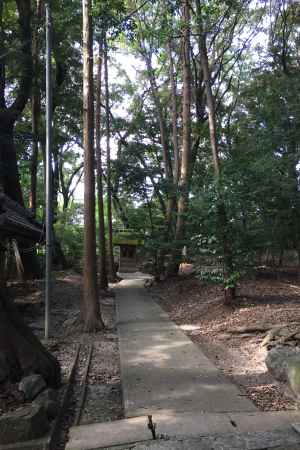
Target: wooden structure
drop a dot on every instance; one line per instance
(19, 231)
(17, 222)
(128, 242)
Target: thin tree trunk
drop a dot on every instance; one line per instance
(171, 196)
(55, 183)
(186, 137)
(103, 282)
(171, 191)
(34, 157)
(90, 306)
(210, 106)
(172, 268)
(59, 259)
(222, 221)
(162, 125)
(174, 117)
(120, 209)
(174, 179)
(111, 262)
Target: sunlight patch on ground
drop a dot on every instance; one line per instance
(296, 288)
(189, 327)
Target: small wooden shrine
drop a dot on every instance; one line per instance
(128, 242)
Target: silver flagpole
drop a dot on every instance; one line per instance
(48, 168)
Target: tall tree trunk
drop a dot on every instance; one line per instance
(222, 221)
(103, 282)
(111, 262)
(186, 137)
(90, 306)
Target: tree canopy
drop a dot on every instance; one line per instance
(202, 103)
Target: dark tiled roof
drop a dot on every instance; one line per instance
(18, 222)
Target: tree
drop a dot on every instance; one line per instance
(35, 108)
(11, 112)
(90, 308)
(186, 126)
(111, 262)
(103, 282)
(9, 176)
(222, 222)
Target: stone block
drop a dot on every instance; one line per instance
(27, 423)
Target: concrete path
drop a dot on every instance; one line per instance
(192, 404)
(161, 369)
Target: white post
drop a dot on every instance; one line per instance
(48, 168)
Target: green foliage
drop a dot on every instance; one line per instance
(69, 231)
(256, 88)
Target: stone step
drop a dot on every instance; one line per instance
(170, 425)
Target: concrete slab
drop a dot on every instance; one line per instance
(107, 434)
(181, 427)
(276, 440)
(189, 444)
(281, 439)
(263, 421)
(161, 368)
(197, 424)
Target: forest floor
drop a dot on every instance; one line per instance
(272, 297)
(104, 376)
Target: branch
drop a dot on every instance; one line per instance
(24, 89)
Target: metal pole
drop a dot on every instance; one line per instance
(48, 169)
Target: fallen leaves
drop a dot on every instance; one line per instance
(239, 355)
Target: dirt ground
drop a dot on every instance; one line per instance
(104, 400)
(270, 297)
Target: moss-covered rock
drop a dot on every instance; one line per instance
(277, 361)
(293, 375)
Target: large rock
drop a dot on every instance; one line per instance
(293, 374)
(24, 424)
(277, 361)
(32, 386)
(49, 401)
